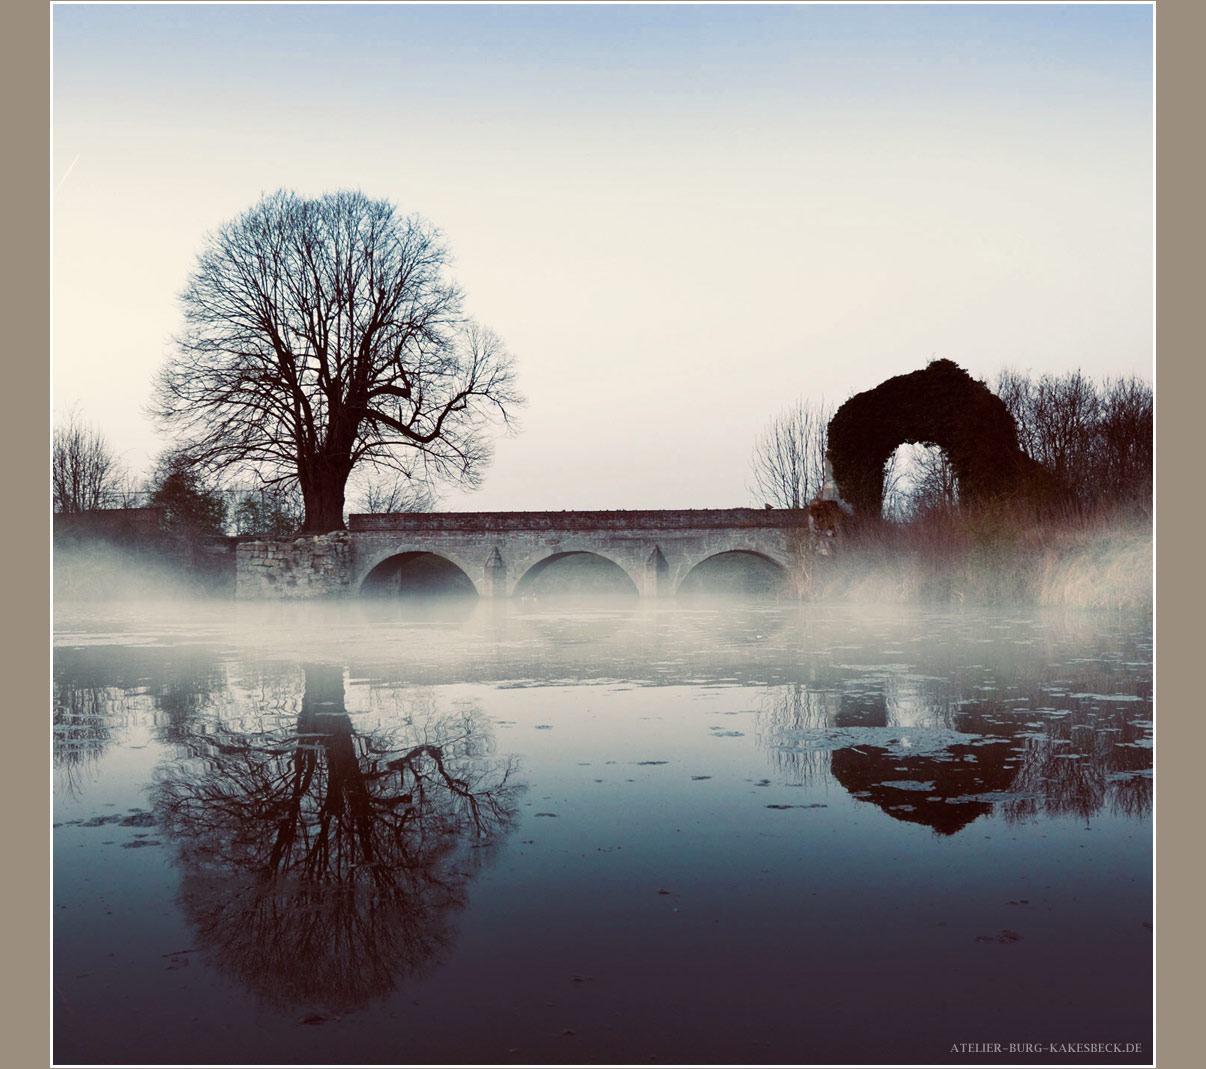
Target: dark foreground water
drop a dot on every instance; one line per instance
(531, 833)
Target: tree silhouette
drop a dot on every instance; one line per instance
(190, 508)
(789, 456)
(1096, 438)
(84, 472)
(322, 336)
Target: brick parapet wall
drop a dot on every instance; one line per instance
(644, 520)
(109, 523)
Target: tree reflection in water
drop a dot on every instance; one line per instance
(99, 692)
(84, 721)
(1084, 759)
(324, 864)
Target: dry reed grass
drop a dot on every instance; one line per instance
(993, 554)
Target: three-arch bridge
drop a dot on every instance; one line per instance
(503, 554)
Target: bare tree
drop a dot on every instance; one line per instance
(1125, 442)
(896, 486)
(1017, 391)
(789, 456)
(1056, 416)
(919, 478)
(1096, 439)
(1066, 412)
(937, 486)
(322, 336)
(84, 472)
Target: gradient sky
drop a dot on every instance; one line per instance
(679, 218)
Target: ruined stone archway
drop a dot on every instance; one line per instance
(940, 405)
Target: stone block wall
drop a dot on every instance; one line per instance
(311, 567)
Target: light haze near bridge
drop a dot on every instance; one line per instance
(679, 218)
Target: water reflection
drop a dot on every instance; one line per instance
(421, 609)
(1085, 760)
(928, 752)
(84, 722)
(736, 573)
(324, 864)
(97, 692)
(317, 839)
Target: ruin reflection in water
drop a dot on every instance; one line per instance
(927, 757)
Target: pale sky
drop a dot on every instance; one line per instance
(679, 218)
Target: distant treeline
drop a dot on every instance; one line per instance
(86, 477)
(1096, 438)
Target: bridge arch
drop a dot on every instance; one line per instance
(419, 570)
(596, 570)
(738, 569)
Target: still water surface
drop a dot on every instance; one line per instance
(527, 833)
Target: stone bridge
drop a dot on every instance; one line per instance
(500, 554)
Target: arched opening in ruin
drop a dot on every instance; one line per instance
(576, 574)
(735, 573)
(919, 480)
(417, 575)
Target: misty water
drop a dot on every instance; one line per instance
(543, 831)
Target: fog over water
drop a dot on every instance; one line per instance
(547, 830)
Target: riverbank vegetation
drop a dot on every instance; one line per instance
(996, 554)
(1077, 534)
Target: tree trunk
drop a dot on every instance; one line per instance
(322, 492)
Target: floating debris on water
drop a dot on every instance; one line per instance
(810, 805)
(1006, 935)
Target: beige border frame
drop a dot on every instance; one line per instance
(26, 267)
